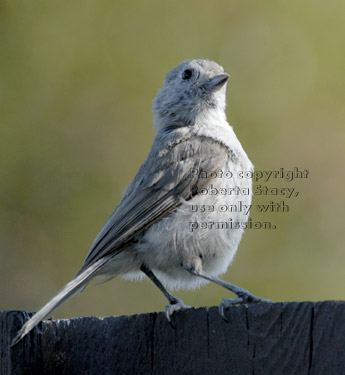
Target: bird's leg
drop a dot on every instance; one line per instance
(175, 304)
(243, 296)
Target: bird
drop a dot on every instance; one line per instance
(170, 224)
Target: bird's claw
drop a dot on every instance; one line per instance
(240, 300)
(226, 303)
(173, 307)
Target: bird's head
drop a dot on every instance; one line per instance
(191, 90)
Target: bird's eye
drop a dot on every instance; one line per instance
(187, 74)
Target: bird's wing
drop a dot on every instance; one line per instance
(163, 181)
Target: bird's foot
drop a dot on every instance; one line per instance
(174, 306)
(243, 298)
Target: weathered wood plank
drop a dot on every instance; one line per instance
(281, 338)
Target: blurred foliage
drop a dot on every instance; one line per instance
(76, 84)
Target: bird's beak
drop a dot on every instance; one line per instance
(216, 82)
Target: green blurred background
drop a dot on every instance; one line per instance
(77, 79)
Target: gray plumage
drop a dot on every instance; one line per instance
(149, 231)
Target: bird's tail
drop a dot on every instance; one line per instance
(80, 281)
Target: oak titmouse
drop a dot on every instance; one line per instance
(176, 222)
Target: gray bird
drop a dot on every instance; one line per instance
(171, 224)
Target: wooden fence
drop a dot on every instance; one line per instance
(266, 339)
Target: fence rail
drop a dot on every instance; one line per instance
(281, 338)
